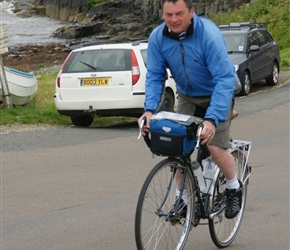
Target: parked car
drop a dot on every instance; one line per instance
(106, 80)
(254, 52)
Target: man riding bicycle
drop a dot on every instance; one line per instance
(194, 50)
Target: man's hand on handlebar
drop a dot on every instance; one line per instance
(206, 135)
(145, 129)
(207, 132)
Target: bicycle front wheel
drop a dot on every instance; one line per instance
(157, 224)
(223, 231)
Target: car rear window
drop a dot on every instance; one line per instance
(144, 55)
(234, 42)
(99, 60)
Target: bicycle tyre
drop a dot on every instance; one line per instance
(223, 231)
(154, 228)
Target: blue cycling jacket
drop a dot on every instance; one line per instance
(199, 65)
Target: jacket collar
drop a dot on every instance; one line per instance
(179, 36)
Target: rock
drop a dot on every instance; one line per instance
(115, 19)
(39, 10)
(77, 31)
(33, 57)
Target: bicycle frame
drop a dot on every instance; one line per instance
(245, 148)
(184, 161)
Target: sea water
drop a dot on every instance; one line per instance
(30, 30)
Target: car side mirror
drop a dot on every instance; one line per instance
(254, 48)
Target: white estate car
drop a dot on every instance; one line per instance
(106, 80)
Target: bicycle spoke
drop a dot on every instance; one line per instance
(223, 231)
(156, 224)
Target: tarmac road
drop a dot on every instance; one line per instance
(67, 188)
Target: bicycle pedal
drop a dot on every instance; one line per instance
(196, 221)
(177, 221)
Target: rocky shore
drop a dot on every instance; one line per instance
(112, 21)
(35, 57)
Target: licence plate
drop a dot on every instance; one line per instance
(95, 82)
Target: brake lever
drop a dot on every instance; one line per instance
(143, 122)
(200, 127)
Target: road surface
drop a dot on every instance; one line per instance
(68, 188)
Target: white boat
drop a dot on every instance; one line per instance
(22, 86)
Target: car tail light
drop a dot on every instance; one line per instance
(62, 67)
(58, 81)
(135, 69)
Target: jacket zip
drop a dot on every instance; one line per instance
(184, 67)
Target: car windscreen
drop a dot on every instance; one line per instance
(99, 60)
(235, 42)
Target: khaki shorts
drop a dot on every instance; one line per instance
(197, 106)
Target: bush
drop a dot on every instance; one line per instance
(274, 14)
(91, 3)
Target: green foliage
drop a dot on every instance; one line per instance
(285, 59)
(274, 14)
(91, 3)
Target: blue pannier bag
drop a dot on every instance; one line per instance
(169, 137)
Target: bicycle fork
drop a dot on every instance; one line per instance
(173, 214)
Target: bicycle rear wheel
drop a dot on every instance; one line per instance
(223, 231)
(156, 224)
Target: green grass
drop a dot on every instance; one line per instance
(273, 13)
(91, 3)
(285, 59)
(40, 110)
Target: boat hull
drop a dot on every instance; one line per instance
(22, 86)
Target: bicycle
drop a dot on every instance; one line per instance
(160, 221)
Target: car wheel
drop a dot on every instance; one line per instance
(168, 103)
(273, 79)
(82, 121)
(246, 84)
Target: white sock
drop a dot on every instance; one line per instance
(184, 195)
(233, 183)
